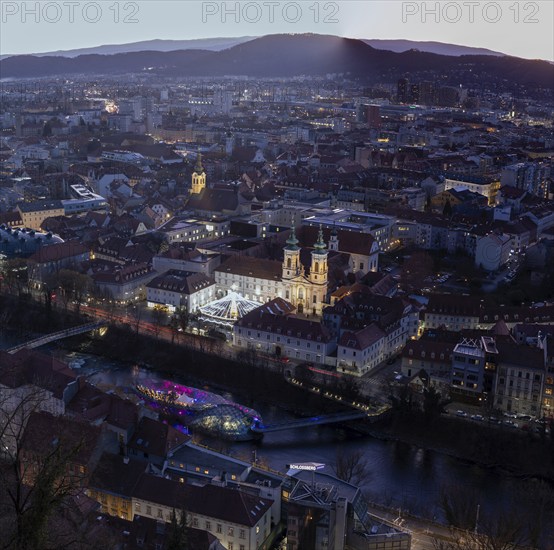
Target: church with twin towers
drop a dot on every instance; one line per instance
(303, 277)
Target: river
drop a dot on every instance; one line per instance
(401, 475)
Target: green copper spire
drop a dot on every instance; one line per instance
(320, 246)
(292, 241)
(198, 168)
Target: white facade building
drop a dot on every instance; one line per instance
(493, 251)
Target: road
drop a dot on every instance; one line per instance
(423, 532)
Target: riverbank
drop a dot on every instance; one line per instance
(518, 453)
(246, 381)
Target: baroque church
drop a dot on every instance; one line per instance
(303, 278)
(306, 288)
(304, 284)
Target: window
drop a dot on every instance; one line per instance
(242, 534)
(218, 528)
(208, 526)
(160, 513)
(230, 546)
(137, 506)
(149, 510)
(230, 531)
(195, 522)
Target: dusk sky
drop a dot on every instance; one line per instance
(523, 29)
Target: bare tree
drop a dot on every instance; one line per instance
(37, 510)
(351, 466)
(159, 315)
(15, 275)
(499, 531)
(459, 504)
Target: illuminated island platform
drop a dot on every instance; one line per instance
(201, 410)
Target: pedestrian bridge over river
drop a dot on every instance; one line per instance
(67, 333)
(314, 421)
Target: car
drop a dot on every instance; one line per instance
(477, 417)
(398, 377)
(460, 413)
(525, 417)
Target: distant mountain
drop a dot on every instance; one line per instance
(291, 55)
(218, 44)
(212, 44)
(440, 48)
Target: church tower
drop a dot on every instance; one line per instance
(334, 241)
(198, 176)
(291, 261)
(318, 269)
(318, 276)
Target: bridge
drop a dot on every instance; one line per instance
(312, 421)
(43, 340)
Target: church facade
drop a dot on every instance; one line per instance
(305, 287)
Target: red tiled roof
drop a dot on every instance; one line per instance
(361, 339)
(31, 367)
(59, 251)
(349, 241)
(260, 319)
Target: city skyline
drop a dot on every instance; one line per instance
(91, 24)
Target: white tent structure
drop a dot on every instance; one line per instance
(228, 310)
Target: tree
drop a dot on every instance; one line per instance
(503, 531)
(447, 210)
(304, 374)
(348, 387)
(136, 315)
(433, 404)
(401, 398)
(37, 510)
(74, 285)
(459, 504)
(351, 466)
(159, 315)
(248, 357)
(15, 275)
(178, 531)
(183, 318)
(174, 326)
